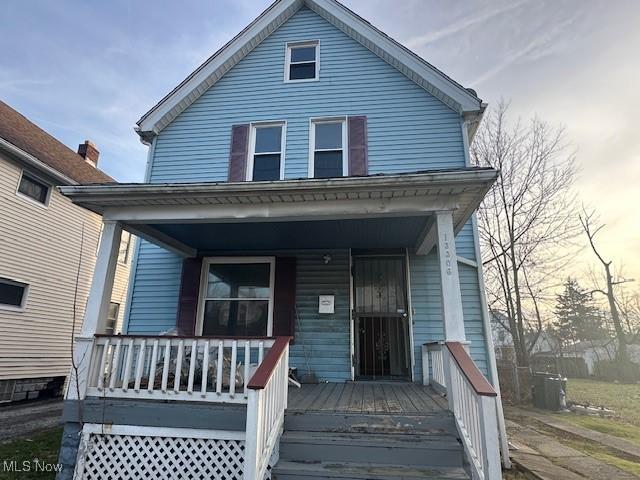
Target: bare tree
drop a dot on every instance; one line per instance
(591, 228)
(527, 219)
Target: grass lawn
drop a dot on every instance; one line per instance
(43, 446)
(624, 399)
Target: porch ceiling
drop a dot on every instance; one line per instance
(396, 232)
(373, 211)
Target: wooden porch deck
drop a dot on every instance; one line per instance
(367, 398)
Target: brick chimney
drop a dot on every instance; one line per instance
(89, 151)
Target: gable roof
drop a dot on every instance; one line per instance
(451, 93)
(25, 139)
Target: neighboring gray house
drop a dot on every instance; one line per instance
(308, 204)
(44, 240)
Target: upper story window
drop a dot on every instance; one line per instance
(13, 295)
(266, 158)
(328, 140)
(302, 62)
(33, 188)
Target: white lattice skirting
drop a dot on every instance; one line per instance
(121, 452)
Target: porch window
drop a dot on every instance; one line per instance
(237, 297)
(13, 295)
(267, 146)
(328, 140)
(302, 63)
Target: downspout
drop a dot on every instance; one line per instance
(491, 354)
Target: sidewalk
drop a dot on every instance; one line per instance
(547, 458)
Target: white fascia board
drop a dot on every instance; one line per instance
(228, 56)
(33, 162)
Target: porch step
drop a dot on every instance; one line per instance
(317, 445)
(288, 470)
(441, 423)
(434, 450)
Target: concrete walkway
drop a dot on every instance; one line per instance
(548, 459)
(20, 420)
(622, 446)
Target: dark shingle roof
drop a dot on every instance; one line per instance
(27, 136)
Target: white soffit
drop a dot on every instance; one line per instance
(422, 73)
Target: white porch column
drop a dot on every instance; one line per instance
(449, 279)
(95, 314)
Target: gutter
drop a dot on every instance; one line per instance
(34, 162)
(282, 186)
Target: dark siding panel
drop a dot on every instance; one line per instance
(358, 161)
(284, 308)
(188, 300)
(238, 153)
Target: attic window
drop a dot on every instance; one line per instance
(302, 63)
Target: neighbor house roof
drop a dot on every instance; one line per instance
(30, 143)
(451, 93)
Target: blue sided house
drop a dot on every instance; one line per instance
(307, 300)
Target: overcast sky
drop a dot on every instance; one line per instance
(91, 69)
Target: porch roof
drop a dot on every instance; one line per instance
(397, 207)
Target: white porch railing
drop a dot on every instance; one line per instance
(265, 410)
(472, 400)
(175, 368)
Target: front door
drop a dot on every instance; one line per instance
(381, 321)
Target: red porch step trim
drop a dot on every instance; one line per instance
(475, 377)
(268, 365)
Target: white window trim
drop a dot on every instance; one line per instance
(27, 197)
(252, 145)
(312, 143)
(23, 306)
(287, 62)
(206, 261)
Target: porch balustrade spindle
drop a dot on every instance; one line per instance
(165, 366)
(178, 372)
(127, 366)
(232, 370)
(219, 369)
(192, 365)
(152, 367)
(205, 368)
(140, 365)
(113, 368)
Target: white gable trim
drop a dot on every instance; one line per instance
(428, 77)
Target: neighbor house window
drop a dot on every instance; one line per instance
(112, 318)
(328, 143)
(123, 251)
(266, 161)
(302, 61)
(237, 296)
(33, 188)
(13, 295)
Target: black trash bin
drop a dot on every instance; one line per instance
(549, 391)
(538, 389)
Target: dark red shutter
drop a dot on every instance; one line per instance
(358, 158)
(188, 300)
(238, 153)
(284, 308)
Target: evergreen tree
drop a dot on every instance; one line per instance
(577, 318)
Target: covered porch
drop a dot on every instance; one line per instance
(302, 240)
